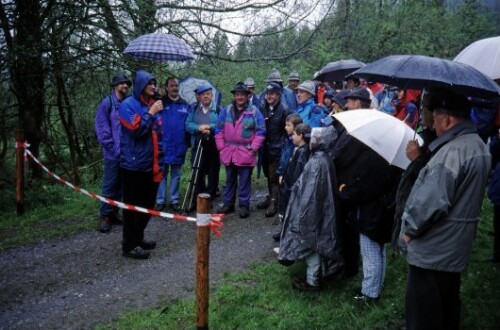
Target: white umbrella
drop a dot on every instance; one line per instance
(383, 133)
(483, 55)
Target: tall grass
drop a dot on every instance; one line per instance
(262, 298)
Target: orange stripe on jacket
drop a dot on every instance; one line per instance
(131, 126)
(157, 173)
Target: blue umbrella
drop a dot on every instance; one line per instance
(159, 47)
(189, 84)
(424, 72)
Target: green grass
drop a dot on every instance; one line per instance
(51, 211)
(262, 298)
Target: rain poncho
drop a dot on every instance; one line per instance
(309, 222)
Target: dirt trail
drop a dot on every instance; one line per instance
(82, 280)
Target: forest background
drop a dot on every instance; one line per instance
(57, 57)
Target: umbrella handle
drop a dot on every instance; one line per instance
(419, 112)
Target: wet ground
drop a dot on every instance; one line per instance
(82, 280)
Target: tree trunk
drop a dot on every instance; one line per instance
(27, 73)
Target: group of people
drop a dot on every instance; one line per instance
(337, 199)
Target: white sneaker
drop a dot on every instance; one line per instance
(276, 250)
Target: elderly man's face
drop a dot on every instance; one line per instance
(303, 96)
(240, 99)
(441, 121)
(206, 98)
(353, 104)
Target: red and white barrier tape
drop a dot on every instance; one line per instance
(215, 219)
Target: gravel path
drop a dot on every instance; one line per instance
(80, 281)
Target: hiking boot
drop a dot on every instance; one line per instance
(226, 209)
(302, 285)
(105, 225)
(148, 245)
(175, 207)
(362, 297)
(264, 204)
(136, 253)
(272, 209)
(115, 220)
(244, 212)
(159, 207)
(358, 295)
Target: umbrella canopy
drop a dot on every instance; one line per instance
(383, 133)
(188, 85)
(159, 47)
(419, 72)
(483, 55)
(336, 71)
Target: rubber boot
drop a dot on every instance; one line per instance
(264, 204)
(273, 202)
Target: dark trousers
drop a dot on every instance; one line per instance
(139, 190)
(496, 232)
(238, 178)
(350, 242)
(111, 186)
(209, 169)
(432, 299)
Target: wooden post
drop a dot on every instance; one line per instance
(202, 254)
(19, 172)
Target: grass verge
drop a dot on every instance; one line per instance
(52, 211)
(262, 298)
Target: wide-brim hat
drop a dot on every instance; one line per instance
(308, 86)
(120, 78)
(359, 93)
(444, 98)
(249, 82)
(273, 87)
(340, 98)
(240, 87)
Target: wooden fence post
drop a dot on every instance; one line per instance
(202, 254)
(19, 172)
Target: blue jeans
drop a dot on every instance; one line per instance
(313, 271)
(175, 178)
(238, 177)
(111, 186)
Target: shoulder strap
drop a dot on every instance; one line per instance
(111, 105)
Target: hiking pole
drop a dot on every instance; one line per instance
(196, 172)
(190, 189)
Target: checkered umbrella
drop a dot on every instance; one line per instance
(159, 47)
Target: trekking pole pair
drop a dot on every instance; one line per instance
(195, 169)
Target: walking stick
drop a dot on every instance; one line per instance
(194, 177)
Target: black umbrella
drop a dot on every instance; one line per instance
(336, 71)
(424, 72)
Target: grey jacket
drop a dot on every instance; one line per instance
(310, 223)
(442, 212)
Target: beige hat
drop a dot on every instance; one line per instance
(308, 86)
